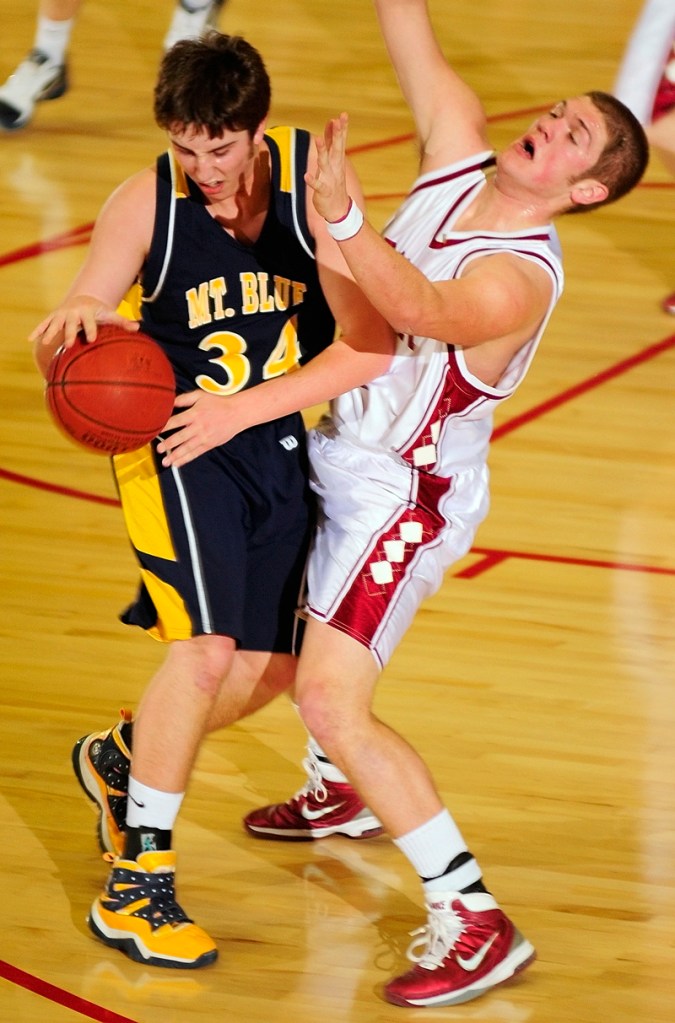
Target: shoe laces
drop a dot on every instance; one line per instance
(444, 932)
(315, 785)
(127, 887)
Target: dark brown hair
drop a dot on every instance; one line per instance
(217, 83)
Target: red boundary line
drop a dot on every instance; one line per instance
(77, 236)
(584, 387)
(490, 557)
(55, 488)
(59, 995)
(395, 140)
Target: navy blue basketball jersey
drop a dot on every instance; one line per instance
(230, 315)
(221, 542)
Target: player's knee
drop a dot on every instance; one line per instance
(204, 662)
(324, 714)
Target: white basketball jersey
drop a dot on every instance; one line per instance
(428, 408)
(400, 468)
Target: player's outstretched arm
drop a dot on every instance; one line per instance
(203, 421)
(497, 299)
(118, 247)
(448, 114)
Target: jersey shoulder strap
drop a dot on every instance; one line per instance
(171, 185)
(289, 151)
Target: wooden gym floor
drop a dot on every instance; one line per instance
(538, 683)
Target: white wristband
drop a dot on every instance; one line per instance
(348, 226)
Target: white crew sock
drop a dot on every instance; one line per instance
(152, 808)
(432, 847)
(53, 38)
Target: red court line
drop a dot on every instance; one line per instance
(58, 995)
(367, 147)
(54, 488)
(491, 557)
(584, 387)
(76, 236)
(395, 140)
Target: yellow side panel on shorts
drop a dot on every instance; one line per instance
(173, 621)
(142, 503)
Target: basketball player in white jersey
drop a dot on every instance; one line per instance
(468, 273)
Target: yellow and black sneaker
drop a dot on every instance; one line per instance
(101, 762)
(137, 913)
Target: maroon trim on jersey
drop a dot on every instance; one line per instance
(522, 253)
(452, 176)
(455, 397)
(457, 202)
(436, 243)
(365, 604)
(443, 178)
(447, 242)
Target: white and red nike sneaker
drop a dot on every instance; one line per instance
(469, 947)
(320, 809)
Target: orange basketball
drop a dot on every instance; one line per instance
(113, 394)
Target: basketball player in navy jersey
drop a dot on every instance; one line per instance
(468, 272)
(240, 282)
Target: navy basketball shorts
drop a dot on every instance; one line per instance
(221, 542)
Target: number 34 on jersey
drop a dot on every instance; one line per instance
(208, 303)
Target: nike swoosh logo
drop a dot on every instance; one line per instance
(476, 960)
(315, 815)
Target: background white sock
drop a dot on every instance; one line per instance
(53, 38)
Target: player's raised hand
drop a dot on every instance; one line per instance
(329, 182)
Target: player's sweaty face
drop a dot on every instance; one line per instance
(566, 141)
(217, 165)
